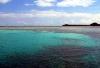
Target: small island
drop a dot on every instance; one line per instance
(94, 24)
(65, 25)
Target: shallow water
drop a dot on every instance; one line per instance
(78, 47)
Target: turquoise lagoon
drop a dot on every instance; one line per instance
(18, 47)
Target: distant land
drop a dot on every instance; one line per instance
(92, 24)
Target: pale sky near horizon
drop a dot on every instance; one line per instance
(49, 12)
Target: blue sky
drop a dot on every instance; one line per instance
(49, 12)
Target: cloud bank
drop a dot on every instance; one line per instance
(51, 18)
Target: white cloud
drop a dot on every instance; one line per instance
(45, 3)
(64, 3)
(4, 1)
(28, 4)
(74, 3)
(49, 18)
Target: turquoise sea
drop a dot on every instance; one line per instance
(48, 49)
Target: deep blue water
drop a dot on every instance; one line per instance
(77, 47)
